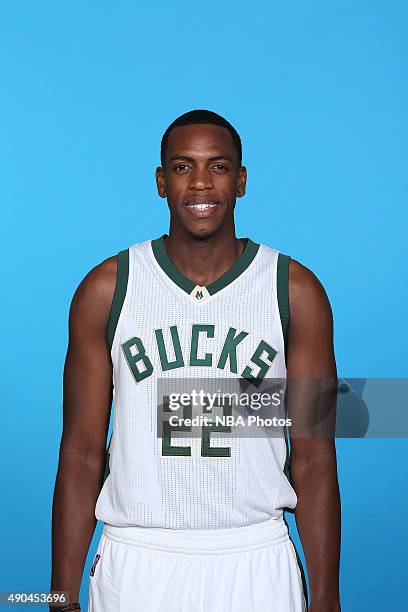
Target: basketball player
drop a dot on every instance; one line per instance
(196, 527)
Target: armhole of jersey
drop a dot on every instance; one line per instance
(119, 295)
(122, 275)
(282, 282)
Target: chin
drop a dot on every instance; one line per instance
(201, 234)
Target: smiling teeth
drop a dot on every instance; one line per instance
(201, 206)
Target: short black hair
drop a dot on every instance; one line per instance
(196, 117)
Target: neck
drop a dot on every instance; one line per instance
(203, 261)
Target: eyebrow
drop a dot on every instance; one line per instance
(190, 159)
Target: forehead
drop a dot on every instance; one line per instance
(201, 140)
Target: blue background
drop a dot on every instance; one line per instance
(318, 93)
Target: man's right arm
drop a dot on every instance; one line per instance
(87, 399)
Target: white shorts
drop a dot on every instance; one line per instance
(244, 569)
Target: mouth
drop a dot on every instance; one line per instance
(201, 207)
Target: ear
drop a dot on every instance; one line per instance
(161, 182)
(241, 181)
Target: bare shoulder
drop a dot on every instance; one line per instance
(310, 339)
(307, 296)
(92, 299)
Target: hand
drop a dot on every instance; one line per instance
(325, 607)
(65, 607)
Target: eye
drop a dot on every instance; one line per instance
(180, 167)
(220, 166)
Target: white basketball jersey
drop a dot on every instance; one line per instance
(163, 327)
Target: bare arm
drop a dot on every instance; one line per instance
(313, 459)
(87, 398)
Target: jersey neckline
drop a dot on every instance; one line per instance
(170, 269)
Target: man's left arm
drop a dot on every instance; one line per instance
(313, 468)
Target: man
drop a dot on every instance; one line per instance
(196, 526)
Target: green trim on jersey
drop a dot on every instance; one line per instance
(284, 311)
(283, 293)
(166, 264)
(118, 296)
(107, 466)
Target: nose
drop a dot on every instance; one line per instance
(200, 179)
